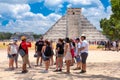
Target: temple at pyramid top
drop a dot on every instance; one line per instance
(73, 25)
(74, 11)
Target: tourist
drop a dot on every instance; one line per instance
(54, 50)
(109, 45)
(60, 54)
(56, 53)
(67, 55)
(117, 45)
(46, 55)
(84, 53)
(16, 56)
(72, 49)
(51, 59)
(12, 54)
(114, 45)
(77, 54)
(24, 46)
(38, 47)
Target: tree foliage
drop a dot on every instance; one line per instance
(111, 27)
(8, 35)
(5, 35)
(37, 36)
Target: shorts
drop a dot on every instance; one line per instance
(45, 58)
(60, 55)
(84, 57)
(77, 58)
(25, 59)
(39, 54)
(72, 53)
(11, 56)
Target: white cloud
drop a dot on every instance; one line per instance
(95, 14)
(54, 16)
(55, 5)
(109, 11)
(0, 16)
(24, 19)
(13, 1)
(51, 3)
(30, 22)
(19, 1)
(77, 2)
(13, 10)
(69, 5)
(33, 1)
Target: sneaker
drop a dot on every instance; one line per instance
(82, 71)
(66, 72)
(55, 70)
(44, 71)
(60, 70)
(30, 67)
(10, 69)
(77, 68)
(36, 65)
(40, 64)
(54, 63)
(25, 71)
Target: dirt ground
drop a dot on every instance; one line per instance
(101, 65)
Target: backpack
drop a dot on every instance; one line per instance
(48, 51)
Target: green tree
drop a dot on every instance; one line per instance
(37, 36)
(5, 35)
(111, 27)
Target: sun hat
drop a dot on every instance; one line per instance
(23, 38)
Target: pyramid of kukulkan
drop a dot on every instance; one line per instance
(73, 25)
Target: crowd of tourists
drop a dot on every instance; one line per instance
(68, 51)
(110, 45)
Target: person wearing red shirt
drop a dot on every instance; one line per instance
(25, 46)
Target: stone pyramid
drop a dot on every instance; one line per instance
(73, 25)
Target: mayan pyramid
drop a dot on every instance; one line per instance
(73, 25)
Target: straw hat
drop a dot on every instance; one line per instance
(23, 38)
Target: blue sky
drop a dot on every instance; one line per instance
(39, 15)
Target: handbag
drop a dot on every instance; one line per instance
(35, 55)
(22, 52)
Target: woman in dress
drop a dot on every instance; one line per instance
(67, 55)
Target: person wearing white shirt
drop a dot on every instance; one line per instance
(77, 54)
(114, 45)
(13, 54)
(84, 53)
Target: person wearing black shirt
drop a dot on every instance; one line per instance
(38, 47)
(59, 55)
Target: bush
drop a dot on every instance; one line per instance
(100, 46)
